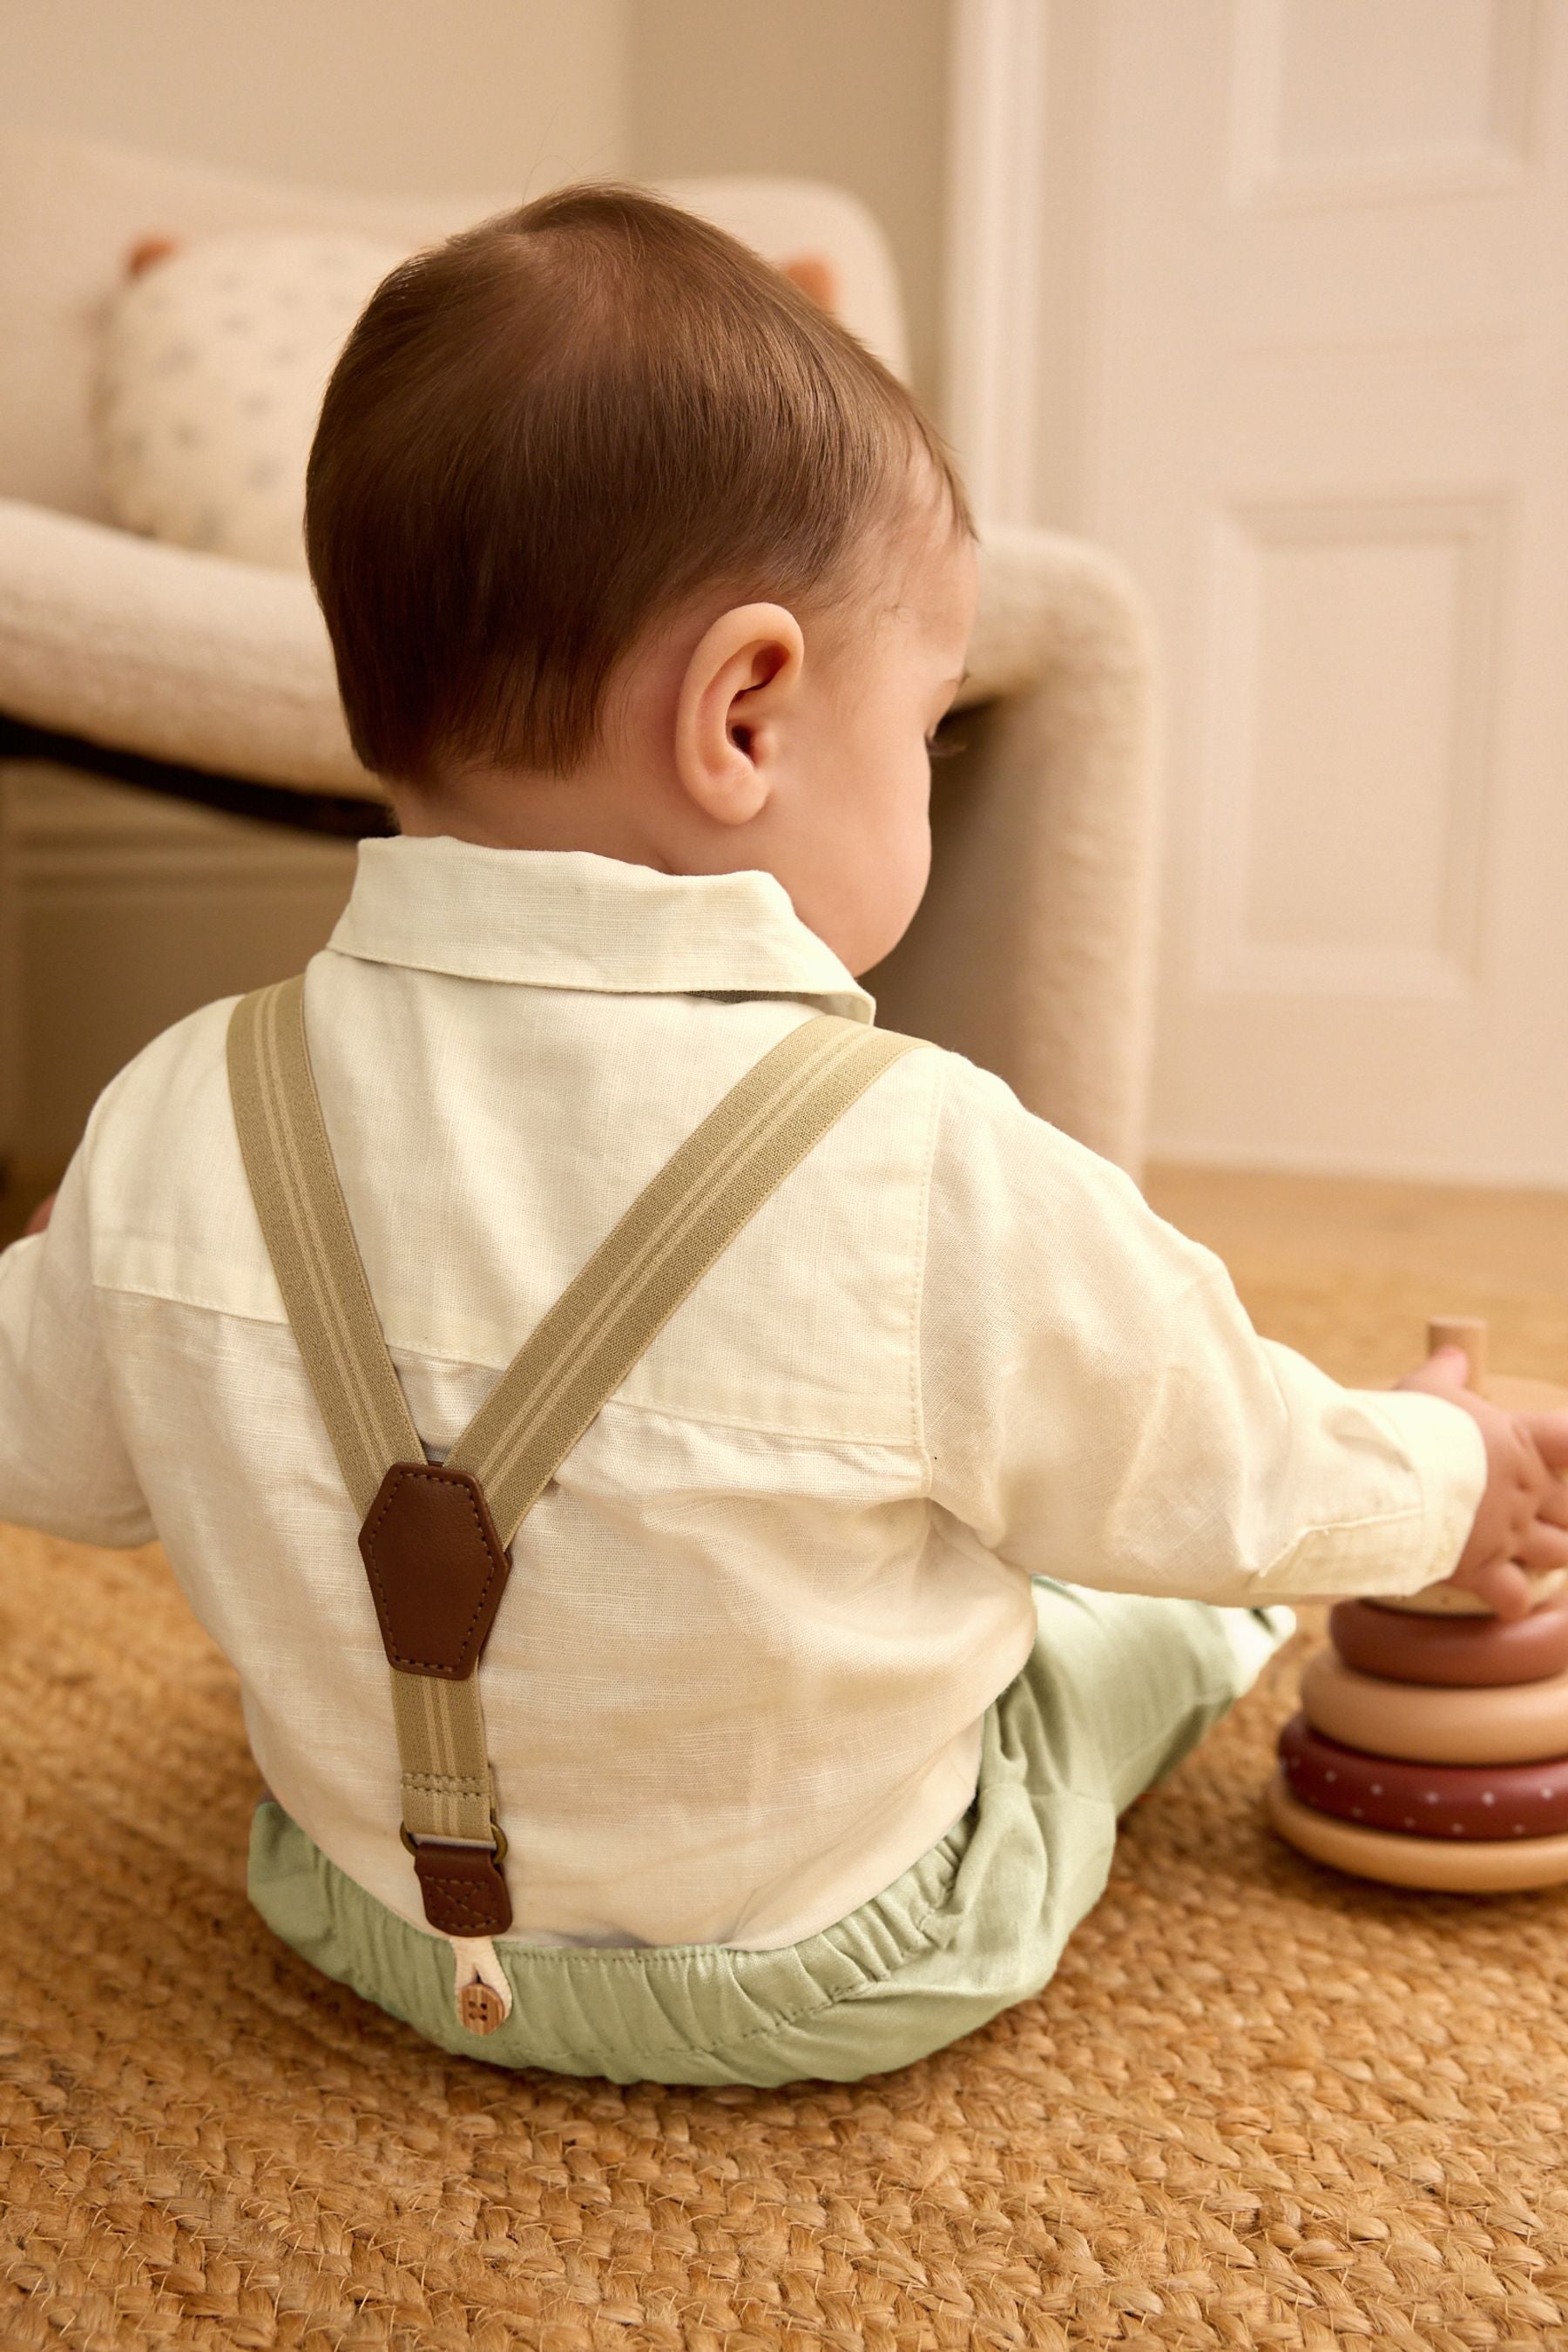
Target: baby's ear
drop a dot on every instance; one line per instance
(815, 276)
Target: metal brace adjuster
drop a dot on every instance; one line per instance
(495, 1843)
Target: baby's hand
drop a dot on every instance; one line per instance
(40, 1216)
(1522, 1520)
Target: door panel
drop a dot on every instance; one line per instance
(1325, 418)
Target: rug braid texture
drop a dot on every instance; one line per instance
(1260, 2105)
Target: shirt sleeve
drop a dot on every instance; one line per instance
(1097, 1408)
(64, 1467)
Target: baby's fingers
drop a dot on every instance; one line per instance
(1501, 1586)
(1550, 1433)
(1542, 1547)
(1553, 1504)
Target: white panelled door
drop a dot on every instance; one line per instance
(1323, 391)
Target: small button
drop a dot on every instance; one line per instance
(479, 2009)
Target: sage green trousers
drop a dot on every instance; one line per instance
(1116, 1692)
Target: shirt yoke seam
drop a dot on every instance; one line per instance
(761, 1428)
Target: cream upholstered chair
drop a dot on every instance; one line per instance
(209, 680)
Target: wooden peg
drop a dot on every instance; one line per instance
(1466, 1332)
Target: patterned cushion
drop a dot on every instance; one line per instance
(214, 363)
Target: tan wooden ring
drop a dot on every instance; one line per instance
(1456, 1652)
(1464, 1866)
(1521, 1722)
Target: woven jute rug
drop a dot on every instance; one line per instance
(1260, 2105)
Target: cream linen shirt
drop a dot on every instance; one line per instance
(736, 1682)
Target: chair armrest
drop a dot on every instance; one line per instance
(1032, 951)
(148, 648)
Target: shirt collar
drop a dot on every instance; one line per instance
(565, 919)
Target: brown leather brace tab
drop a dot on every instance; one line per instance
(464, 1890)
(437, 1568)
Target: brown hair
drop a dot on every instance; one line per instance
(546, 434)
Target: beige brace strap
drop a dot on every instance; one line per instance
(604, 1319)
(305, 1221)
(576, 1358)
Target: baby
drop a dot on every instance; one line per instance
(888, 1495)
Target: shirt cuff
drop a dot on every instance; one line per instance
(1396, 1552)
(1449, 1455)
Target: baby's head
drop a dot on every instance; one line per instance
(624, 545)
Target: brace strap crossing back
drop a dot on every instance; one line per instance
(435, 1538)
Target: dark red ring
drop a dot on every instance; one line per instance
(1441, 1801)
(1455, 1652)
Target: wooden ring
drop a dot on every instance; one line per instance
(1517, 1724)
(1461, 1866)
(1460, 1652)
(1449, 1600)
(1442, 1800)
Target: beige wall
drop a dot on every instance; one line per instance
(408, 96)
(416, 95)
(847, 90)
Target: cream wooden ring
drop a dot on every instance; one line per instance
(1466, 1867)
(1508, 1723)
(1448, 1599)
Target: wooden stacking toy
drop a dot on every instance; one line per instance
(1431, 1749)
